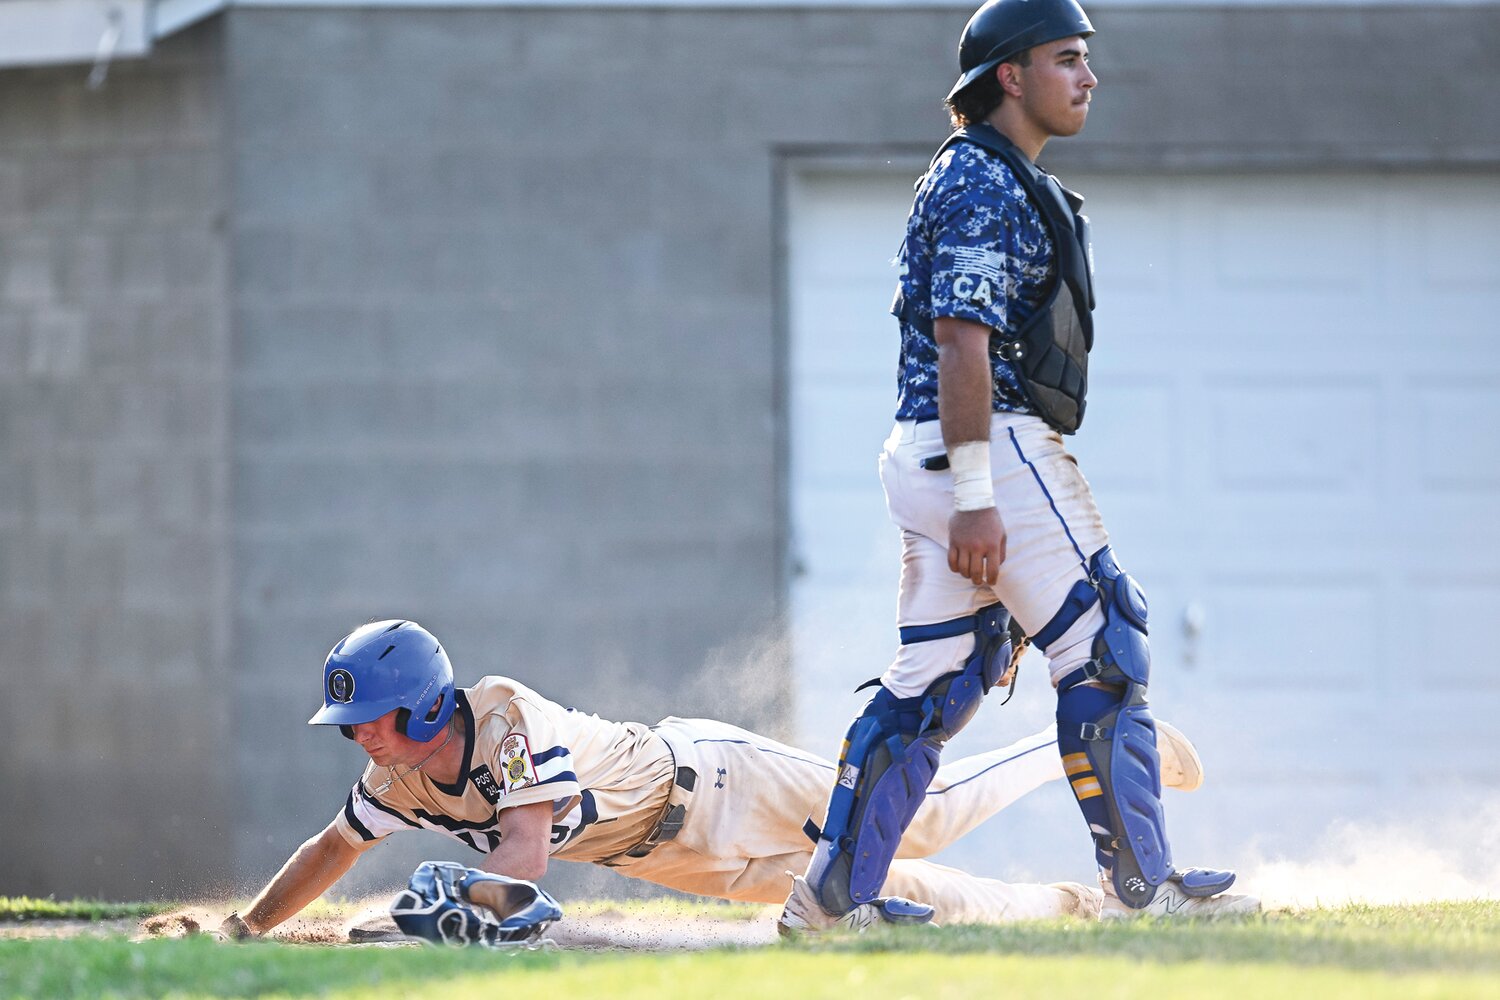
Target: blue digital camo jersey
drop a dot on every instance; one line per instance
(975, 249)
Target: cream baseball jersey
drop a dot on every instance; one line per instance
(607, 782)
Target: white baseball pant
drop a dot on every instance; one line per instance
(1052, 527)
(743, 830)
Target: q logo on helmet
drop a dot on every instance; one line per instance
(340, 686)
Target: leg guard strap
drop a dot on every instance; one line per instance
(1075, 605)
(950, 629)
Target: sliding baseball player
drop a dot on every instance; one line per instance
(691, 804)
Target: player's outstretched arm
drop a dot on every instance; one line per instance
(307, 874)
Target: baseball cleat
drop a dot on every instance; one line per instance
(1181, 768)
(1172, 901)
(803, 914)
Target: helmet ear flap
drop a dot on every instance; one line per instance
(403, 715)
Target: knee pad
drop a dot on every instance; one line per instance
(951, 701)
(1108, 739)
(889, 758)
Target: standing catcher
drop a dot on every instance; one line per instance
(996, 519)
(691, 804)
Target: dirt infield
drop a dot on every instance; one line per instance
(597, 928)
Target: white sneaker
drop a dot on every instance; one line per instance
(1181, 768)
(803, 914)
(1171, 901)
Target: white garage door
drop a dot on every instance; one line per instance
(1294, 435)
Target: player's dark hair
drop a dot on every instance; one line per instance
(974, 103)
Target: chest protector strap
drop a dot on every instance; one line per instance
(1050, 352)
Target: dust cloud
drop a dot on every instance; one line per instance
(746, 683)
(319, 924)
(1455, 857)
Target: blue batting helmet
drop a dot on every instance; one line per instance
(383, 666)
(1005, 28)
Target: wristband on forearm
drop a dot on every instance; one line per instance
(973, 487)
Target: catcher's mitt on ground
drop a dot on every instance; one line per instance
(436, 906)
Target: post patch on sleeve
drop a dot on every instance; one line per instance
(484, 780)
(516, 768)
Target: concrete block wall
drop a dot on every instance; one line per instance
(114, 421)
(502, 365)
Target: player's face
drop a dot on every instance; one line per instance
(386, 745)
(1057, 86)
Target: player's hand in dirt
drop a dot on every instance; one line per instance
(976, 545)
(234, 928)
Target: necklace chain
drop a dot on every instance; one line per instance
(400, 776)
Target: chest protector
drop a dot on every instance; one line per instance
(1050, 352)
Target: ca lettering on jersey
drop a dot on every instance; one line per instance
(979, 293)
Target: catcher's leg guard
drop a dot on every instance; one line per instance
(1107, 739)
(890, 755)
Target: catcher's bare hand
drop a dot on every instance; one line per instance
(976, 545)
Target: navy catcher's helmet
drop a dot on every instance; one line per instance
(1004, 28)
(384, 666)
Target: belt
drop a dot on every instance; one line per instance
(672, 818)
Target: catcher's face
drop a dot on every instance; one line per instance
(1057, 87)
(386, 745)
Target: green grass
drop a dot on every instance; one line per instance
(14, 909)
(1447, 950)
(1436, 936)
